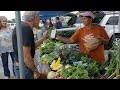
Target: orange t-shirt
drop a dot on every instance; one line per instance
(98, 53)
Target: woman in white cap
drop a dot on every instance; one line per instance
(91, 38)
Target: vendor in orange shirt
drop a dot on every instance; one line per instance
(89, 30)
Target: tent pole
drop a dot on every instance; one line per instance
(19, 43)
(119, 22)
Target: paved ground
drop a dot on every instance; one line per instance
(10, 67)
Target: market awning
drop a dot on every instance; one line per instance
(49, 14)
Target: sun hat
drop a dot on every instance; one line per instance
(87, 13)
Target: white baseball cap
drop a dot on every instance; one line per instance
(87, 13)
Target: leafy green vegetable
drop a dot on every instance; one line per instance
(74, 73)
(47, 47)
(93, 70)
(114, 65)
(71, 55)
(50, 46)
(48, 58)
(66, 33)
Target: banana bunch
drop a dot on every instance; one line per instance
(55, 65)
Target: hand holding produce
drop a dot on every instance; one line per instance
(100, 38)
(43, 76)
(91, 43)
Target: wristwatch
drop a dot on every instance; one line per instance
(35, 71)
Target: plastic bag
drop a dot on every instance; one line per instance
(91, 46)
(91, 42)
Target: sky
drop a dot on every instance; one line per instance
(9, 14)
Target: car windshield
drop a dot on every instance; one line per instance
(79, 20)
(97, 20)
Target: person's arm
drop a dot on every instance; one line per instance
(28, 39)
(0, 53)
(38, 42)
(0, 47)
(64, 40)
(29, 62)
(28, 58)
(74, 38)
(104, 38)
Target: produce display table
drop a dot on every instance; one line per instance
(85, 68)
(42, 68)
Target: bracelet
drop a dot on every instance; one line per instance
(35, 70)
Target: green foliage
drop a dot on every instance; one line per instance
(114, 64)
(47, 47)
(93, 70)
(49, 50)
(66, 33)
(71, 55)
(74, 73)
(48, 58)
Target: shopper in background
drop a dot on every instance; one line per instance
(50, 23)
(6, 46)
(58, 23)
(44, 28)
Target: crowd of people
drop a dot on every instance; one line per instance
(8, 41)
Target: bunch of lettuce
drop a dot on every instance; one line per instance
(93, 70)
(74, 73)
(48, 58)
(47, 47)
(50, 46)
(70, 55)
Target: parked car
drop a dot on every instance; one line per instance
(76, 20)
(110, 23)
(11, 25)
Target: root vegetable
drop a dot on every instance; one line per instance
(57, 74)
(51, 75)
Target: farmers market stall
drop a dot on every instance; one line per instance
(59, 61)
(67, 62)
(62, 62)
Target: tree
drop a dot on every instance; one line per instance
(13, 21)
(9, 21)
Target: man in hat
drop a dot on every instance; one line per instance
(91, 38)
